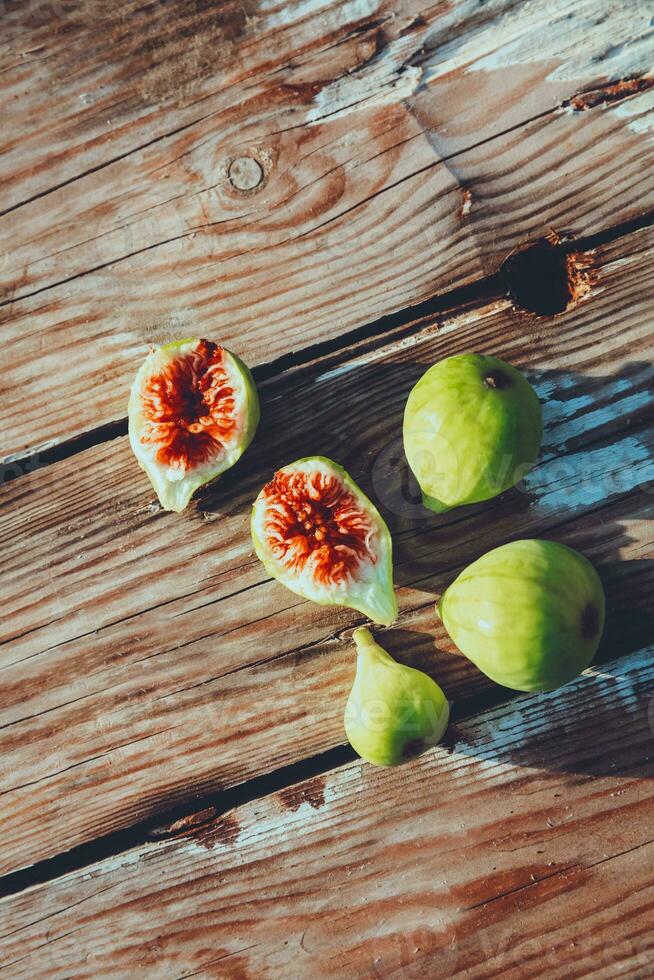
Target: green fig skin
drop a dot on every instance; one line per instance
(374, 596)
(393, 712)
(174, 493)
(472, 429)
(529, 614)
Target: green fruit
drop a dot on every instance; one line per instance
(193, 412)
(472, 429)
(393, 712)
(529, 614)
(317, 533)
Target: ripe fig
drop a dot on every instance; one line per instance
(393, 712)
(193, 412)
(320, 536)
(529, 614)
(472, 428)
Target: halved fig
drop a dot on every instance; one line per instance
(193, 412)
(319, 535)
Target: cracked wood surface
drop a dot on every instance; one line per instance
(406, 147)
(146, 658)
(521, 847)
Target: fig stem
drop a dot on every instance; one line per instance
(362, 636)
(496, 379)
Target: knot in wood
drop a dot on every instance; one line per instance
(245, 173)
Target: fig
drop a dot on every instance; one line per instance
(320, 536)
(193, 411)
(529, 614)
(472, 429)
(393, 712)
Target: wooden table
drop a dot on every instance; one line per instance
(331, 188)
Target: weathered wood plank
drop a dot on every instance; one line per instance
(523, 848)
(60, 91)
(71, 110)
(385, 182)
(145, 657)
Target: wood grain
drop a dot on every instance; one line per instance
(146, 657)
(523, 847)
(406, 148)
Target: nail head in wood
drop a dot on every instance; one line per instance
(245, 173)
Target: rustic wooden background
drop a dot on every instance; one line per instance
(332, 188)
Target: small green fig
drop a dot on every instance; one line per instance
(393, 712)
(472, 429)
(317, 533)
(529, 614)
(193, 411)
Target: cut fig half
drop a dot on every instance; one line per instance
(319, 535)
(193, 412)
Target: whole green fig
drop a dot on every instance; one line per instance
(529, 614)
(393, 712)
(472, 429)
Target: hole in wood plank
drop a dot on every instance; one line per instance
(545, 279)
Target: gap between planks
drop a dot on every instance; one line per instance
(402, 323)
(514, 747)
(192, 814)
